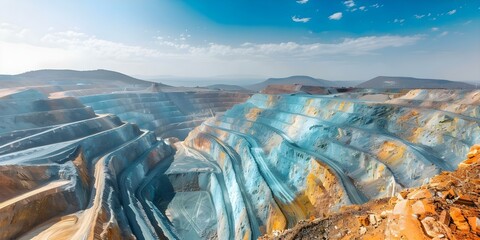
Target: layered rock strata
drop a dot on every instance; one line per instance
(99, 167)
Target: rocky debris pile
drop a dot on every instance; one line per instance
(448, 207)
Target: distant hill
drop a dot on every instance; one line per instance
(297, 88)
(204, 81)
(385, 82)
(302, 80)
(69, 77)
(228, 87)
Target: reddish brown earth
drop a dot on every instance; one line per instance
(448, 207)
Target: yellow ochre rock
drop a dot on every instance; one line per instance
(472, 157)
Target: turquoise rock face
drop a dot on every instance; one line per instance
(351, 147)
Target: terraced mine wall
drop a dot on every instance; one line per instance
(98, 167)
(103, 177)
(288, 158)
(169, 114)
(66, 173)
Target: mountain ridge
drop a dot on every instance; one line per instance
(230, 87)
(68, 75)
(389, 82)
(299, 79)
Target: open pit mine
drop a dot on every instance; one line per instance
(148, 161)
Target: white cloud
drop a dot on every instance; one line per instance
(302, 1)
(348, 46)
(173, 44)
(91, 47)
(81, 42)
(398, 20)
(443, 34)
(363, 8)
(452, 12)
(376, 5)
(74, 49)
(434, 29)
(336, 16)
(419, 16)
(349, 3)
(11, 31)
(20, 57)
(297, 19)
(95, 47)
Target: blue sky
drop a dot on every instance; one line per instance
(337, 40)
